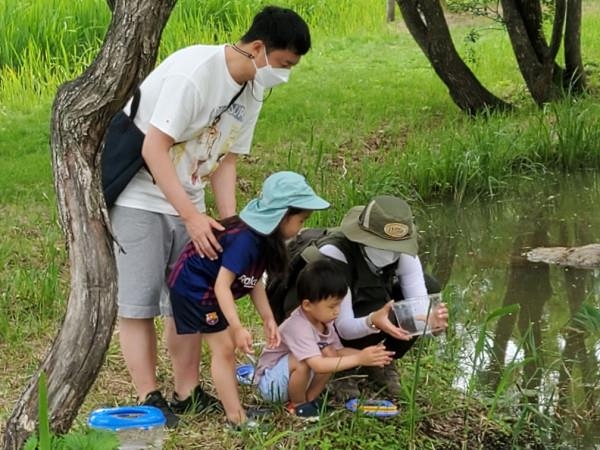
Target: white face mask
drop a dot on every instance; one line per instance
(269, 76)
(381, 258)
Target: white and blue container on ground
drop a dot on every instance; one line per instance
(137, 427)
(245, 374)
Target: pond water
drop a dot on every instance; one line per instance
(529, 332)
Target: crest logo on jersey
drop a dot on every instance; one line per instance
(212, 318)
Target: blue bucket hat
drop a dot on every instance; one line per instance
(280, 191)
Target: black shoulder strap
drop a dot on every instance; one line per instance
(135, 102)
(235, 97)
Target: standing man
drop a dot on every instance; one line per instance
(198, 110)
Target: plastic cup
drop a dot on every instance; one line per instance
(415, 314)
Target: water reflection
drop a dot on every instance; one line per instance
(543, 357)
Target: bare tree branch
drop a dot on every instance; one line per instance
(574, 76)
(427, 24)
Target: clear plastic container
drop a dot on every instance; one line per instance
(416, 315)
(137, 427)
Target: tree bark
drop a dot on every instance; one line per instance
(574, 76)
(390, 10)
(427, 24)
(535, 58)
(545, 79)
(81, 112)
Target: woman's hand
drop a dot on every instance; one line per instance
(381, 319)
(439, 318)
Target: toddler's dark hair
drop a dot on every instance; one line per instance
(321, 279)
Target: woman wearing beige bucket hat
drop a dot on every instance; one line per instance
(376, 246)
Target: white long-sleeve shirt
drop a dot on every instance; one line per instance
(412, 283)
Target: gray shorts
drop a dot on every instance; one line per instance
(152, 243)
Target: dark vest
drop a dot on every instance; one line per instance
(369, 291)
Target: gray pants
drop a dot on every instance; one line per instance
(151, 245)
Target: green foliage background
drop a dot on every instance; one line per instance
(364, 113)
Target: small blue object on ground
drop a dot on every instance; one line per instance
(376, 408)
(245, 374)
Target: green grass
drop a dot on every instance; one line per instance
(364, 113)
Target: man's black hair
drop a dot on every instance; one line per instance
(280, 29)
(321, 279)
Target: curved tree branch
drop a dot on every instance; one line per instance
(557, 29)
(427, 24)
(523, 22)
(574, 76)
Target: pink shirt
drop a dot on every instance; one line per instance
(300, 338)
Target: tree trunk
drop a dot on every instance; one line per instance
(574, 75)
(546, 80)
(81, 112)
(390, 10)
(536, 59)
(426, 22)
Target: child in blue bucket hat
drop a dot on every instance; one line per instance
(203, 291)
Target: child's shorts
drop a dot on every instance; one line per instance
(192, 317)
(273, 385)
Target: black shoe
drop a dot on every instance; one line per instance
(306, 411)
(385, 380)
(198, 401)
(322, 405)
(156, 399)
(344, 388)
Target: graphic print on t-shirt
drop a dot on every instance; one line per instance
(195, 160)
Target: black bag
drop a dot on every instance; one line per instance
(122, 154)
(281, 289)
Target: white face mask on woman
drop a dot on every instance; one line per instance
(381, 258)
(269, 76)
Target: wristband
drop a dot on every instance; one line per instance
(370, 323)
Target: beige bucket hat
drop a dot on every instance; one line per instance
(386, 223)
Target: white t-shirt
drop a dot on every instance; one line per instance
(181, 97)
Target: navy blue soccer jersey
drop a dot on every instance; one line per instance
(194, 277)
